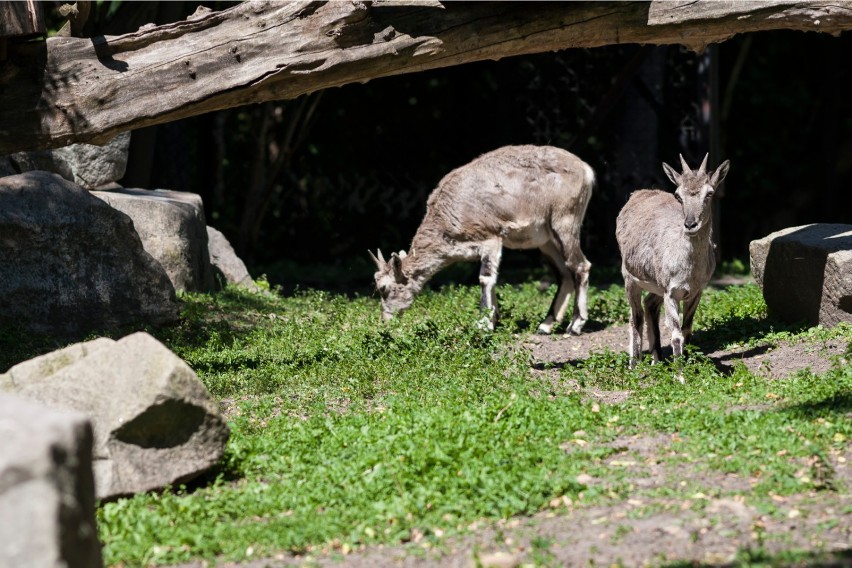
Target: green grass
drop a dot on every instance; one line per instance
(349, 432)
(353, 431)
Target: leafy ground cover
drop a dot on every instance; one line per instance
(434, 441)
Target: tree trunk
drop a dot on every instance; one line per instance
(67, 90)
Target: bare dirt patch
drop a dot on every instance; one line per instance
(700, 531)
(782, 361)
(551, 353)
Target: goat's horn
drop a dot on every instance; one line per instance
(683, 164)
(703, 164)
(381, 258)
(376, 260)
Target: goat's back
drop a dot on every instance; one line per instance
(513, 184)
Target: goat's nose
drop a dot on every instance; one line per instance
(690, 224)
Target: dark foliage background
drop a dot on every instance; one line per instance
(321, 179)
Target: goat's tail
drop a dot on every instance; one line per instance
(589, 179)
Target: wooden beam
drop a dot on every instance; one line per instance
(69, 90)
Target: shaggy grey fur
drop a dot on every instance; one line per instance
(667, 250)
(520, 197)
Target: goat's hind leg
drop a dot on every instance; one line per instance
(573, 266)
(491, 252)
(559, 305)
(634, 298)
(652, 305)
(581, 295)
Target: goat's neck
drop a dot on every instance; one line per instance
(700, 245)
(424, 260)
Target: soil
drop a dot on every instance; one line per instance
(699, 531)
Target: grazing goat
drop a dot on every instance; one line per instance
(520, 197)
(667, 250)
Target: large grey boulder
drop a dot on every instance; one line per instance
(47, 493)
(806, 273)
(72, 263)
(173, 230)
(154, 422)
(228, 268)
(87, 165)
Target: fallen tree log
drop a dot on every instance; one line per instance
(67, 90)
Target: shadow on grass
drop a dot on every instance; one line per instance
(838, 403)
(197, 323)
(724, 369)
(738, 329)
(228, 470)
(799, 559)
(19, 345)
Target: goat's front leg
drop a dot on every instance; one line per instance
(490, 255)
(690, 305)
(671, 302)
(634, 298)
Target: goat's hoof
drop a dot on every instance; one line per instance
(485, 324)
(542, 330)
(576, 327)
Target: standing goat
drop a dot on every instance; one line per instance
(667, 249)
(520, 197)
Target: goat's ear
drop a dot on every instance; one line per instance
(671, 174)
(396, 265)
(719, 175)
(379, 263)
(402, 254)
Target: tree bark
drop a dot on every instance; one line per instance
(68, 90)
(21, 19)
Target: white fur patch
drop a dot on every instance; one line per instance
(589, 174)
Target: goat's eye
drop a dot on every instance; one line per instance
(677, 196)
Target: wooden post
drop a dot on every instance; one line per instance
(21, 19)
(716, 145)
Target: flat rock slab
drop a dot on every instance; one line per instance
(173, 230)
(806, 273)
(47, 493)
(154, 422)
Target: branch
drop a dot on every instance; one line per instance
(68, 90)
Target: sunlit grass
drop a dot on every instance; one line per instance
(348, 432)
